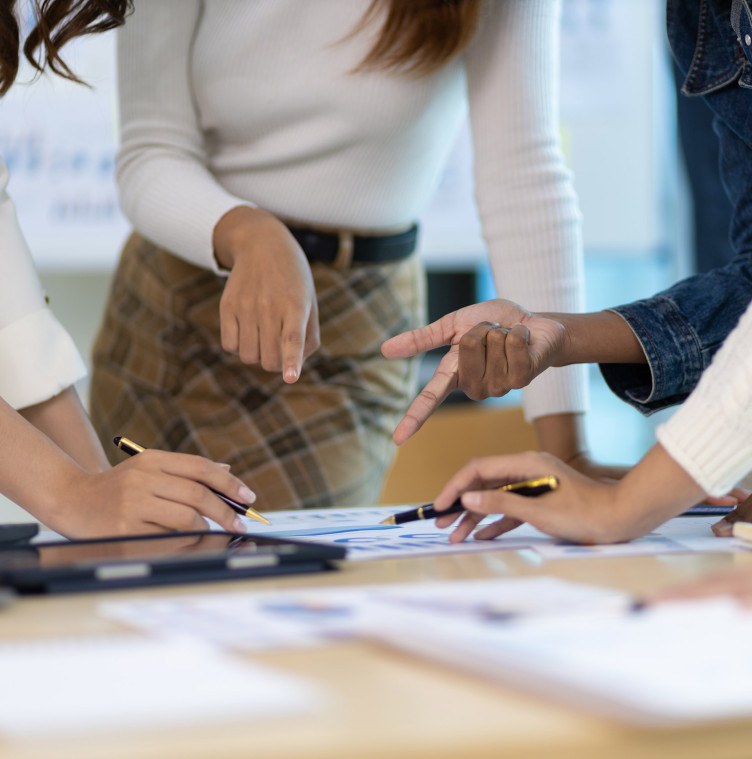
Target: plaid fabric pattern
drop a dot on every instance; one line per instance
(160, 377)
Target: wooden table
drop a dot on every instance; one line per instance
(385, 703)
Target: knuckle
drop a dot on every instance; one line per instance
(186, 520)
(473, 392)
(270, 364)
(195, 493)
(470, 341)
(265, 303)
(122, 525)
(248, 355)
(229, 343)
(498, 388)
(496, 337)
(202, 467)
(294, 338)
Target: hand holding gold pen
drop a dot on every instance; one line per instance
(131, 448)
(529, 488)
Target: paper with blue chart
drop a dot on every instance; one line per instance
(310, 616)
(361, 531)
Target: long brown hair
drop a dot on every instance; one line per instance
(419, 36)
(57, 22)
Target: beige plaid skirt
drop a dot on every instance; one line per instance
(160, 377)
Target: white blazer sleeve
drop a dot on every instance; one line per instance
(527, 204)
(38, 358)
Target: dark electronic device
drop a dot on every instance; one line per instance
(144, 560)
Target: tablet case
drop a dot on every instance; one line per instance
(246, 555)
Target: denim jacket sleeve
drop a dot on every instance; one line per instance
(681, 328)
(680, 331)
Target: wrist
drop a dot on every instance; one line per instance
(579, 333)
(60, 497)
(237, 230)
(602, 337)
(562, 435)
(655, 490)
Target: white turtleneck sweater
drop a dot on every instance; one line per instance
(232, 102)
(38, 358)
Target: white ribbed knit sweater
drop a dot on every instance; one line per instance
(710, 436)
(228, 102)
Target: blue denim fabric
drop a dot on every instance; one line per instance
(681, 328)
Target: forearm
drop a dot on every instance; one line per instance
(602, 337)
(34, 472)
(655, 490)
(562, 435)
(63, 420)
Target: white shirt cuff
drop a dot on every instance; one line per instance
(38, 359)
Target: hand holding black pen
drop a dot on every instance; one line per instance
(529, 488)
(131, 448)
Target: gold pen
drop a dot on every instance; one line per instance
(529, 488)
(132, 449)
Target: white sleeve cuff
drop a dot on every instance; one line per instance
(706, 446)
(38, 359)
(562, 390)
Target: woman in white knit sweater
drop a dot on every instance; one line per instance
(274, 158)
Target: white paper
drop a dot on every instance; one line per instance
(65, 686)
(662, 666)
(680, 535)
(360, 530)
(292, 618)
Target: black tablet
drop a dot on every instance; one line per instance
(126, 562)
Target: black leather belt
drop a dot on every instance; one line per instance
(345, 249)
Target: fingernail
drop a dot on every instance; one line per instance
(226, 467)
(238, 525)
(246, 495)
(471, 500)
(291, 374)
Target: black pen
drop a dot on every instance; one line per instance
(132, 449)
(530, 488)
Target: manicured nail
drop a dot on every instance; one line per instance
(471, 500)
(226, 467)
(238, 525)
(246, 495)
(291, 374)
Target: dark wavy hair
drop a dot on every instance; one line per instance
(57, 22)
(419, 36)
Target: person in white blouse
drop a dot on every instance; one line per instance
(52, 463)
(274, 157)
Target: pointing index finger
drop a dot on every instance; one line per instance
(419, 340)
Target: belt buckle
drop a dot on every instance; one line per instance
(345, 249)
